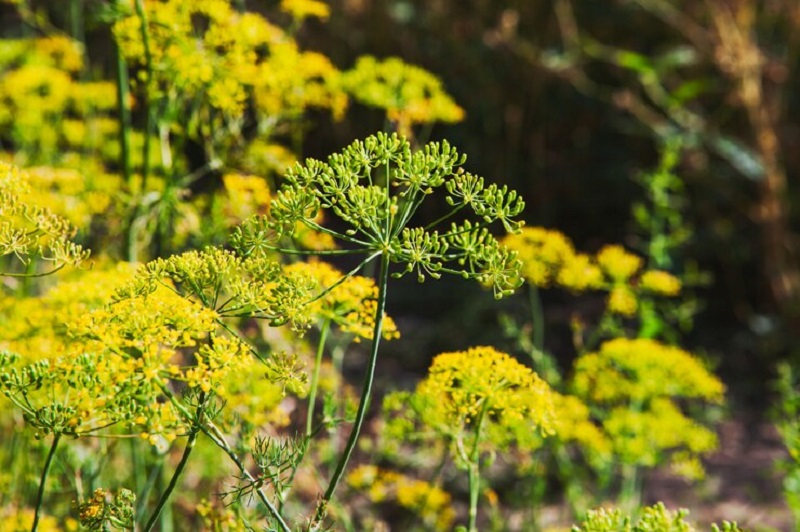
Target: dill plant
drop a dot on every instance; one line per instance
(639, 302)
(375, 188)
(478, 402)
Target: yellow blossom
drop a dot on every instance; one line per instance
(579, 273)
(351, 303)
(618, 263)
(622, 300)
(409, 94)
(660, 282)
(641, 369)
(482, 389)
(543, 253)
(301, 9)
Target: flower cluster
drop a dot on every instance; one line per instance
(429, 503)
(409, 94)
(210, 50)
(349, 301)
(43, 107)
(375, 187)
(634, 386)
(229, 285)
(79, 198)
(36, 328)
(246, 195)
(107, 511)
(480, 394)
(29, 231)
(652, 518)
(550, 258)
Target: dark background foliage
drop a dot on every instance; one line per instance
(572, 130)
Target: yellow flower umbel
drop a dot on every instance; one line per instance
(351, 303)
(660, 282)
(235, 58)
(633, 387)
(477, 401)
(485, 389)
(302, 9)
(247, 195)
(544, 253)
(409, 94)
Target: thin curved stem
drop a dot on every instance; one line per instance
(172, 481)
(45, 470)
(366, 394)
(195, 430)
(216, 436)
(312, 394)
(31, 275)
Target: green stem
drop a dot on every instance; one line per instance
(43, 481)
(173, 481)
(537, 315)
(474, 485)
(474, 470)
(629, 493)
(366, 393)
(144, 493)
(219, 440)
(312, 394)
(197, 421)
(542, 361)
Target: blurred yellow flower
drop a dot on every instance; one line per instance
(618, 263)
(660, 282)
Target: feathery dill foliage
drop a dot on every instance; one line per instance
(376, 187)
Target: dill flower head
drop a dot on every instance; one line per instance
(351, 303)
(579, 273)
(543, 252)
(480, 395)
(484, 381)
(246, 195)
(302, 9)
(660, 282)
(622, 300)
(29, 230)
(574, 424)
(633, 386)
(238, 57)
(618, 263)
(409, 94)
(643, 369)
(647, 437)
